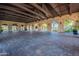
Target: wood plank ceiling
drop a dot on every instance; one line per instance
(30, 12)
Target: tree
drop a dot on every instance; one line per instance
(68, 25)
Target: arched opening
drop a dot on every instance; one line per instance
(22, 28)
(4, 27)
(55, 26)
(36, 27)
(68, 25)
(14, 27)
(27, 27)
(44, 27)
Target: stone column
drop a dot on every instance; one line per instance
(27, 27)
(61, 25)
(19, 27)
(39, 29)
(10, 27)
(31, 27)
(16, 28)
(49, 27)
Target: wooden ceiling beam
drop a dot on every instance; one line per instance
(56, 9)
(42, 9)
(68, 8)
(26, 9)
(12, 17)
(45, 8)
(17, 11)
(8, 12)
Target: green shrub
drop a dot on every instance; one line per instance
(1, 29)
(69, 30)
